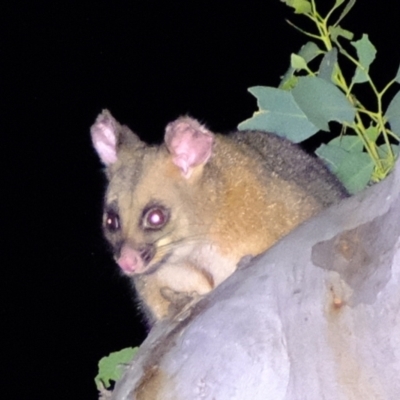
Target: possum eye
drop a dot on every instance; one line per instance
(112, 221)
(155, 217)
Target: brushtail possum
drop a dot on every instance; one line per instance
(180, 216)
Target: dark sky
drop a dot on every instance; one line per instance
(63, 303)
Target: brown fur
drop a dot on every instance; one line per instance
(254, 189)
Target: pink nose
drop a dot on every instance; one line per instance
(130, 261)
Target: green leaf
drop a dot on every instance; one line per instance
(297, 62)
(355, 171)
(327, 65)
(332, 156)
(366, 55)
(339, 2)
(384, 155)
(350, 143)
(278, 113)
(308, 52)
(346, 10)
(322, 102)
(111, 367)
(372, 133)
(290, 83)
(300, 6)
(397, 77)
(353, 168)
(288, 80)
(392, 114)
(336, 31)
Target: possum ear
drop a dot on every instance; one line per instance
(104, 137)
(108, 136)
(189, 143)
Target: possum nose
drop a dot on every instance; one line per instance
(134, 261)
(130, 261)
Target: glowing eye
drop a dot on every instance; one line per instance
(112, 221)
(155, 218)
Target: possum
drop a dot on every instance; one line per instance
(181, 215)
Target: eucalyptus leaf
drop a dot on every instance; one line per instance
(372, 133)
(385, 158)
(111, 367)
(308, 52)
(336, 31)
(327, 65)
(350, 143)
(355, 171)
(366, 53)
(278, 113)
(384, 155)
(290, 83)
(332, 156)
(397, 77)
(297, 62)
(346, 10)
(300, 6)
(322, 102)
(288, 79)
(392, 114)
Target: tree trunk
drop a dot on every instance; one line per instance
(315, 317)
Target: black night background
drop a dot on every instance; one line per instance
(64, 304)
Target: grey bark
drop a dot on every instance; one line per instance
(315, 317)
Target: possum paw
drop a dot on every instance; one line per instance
(178, 301)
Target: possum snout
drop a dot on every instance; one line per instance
(134, 261)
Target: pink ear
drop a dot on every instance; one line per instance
(189, 143)
(104, 137)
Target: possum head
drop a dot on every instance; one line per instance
(151, 211)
